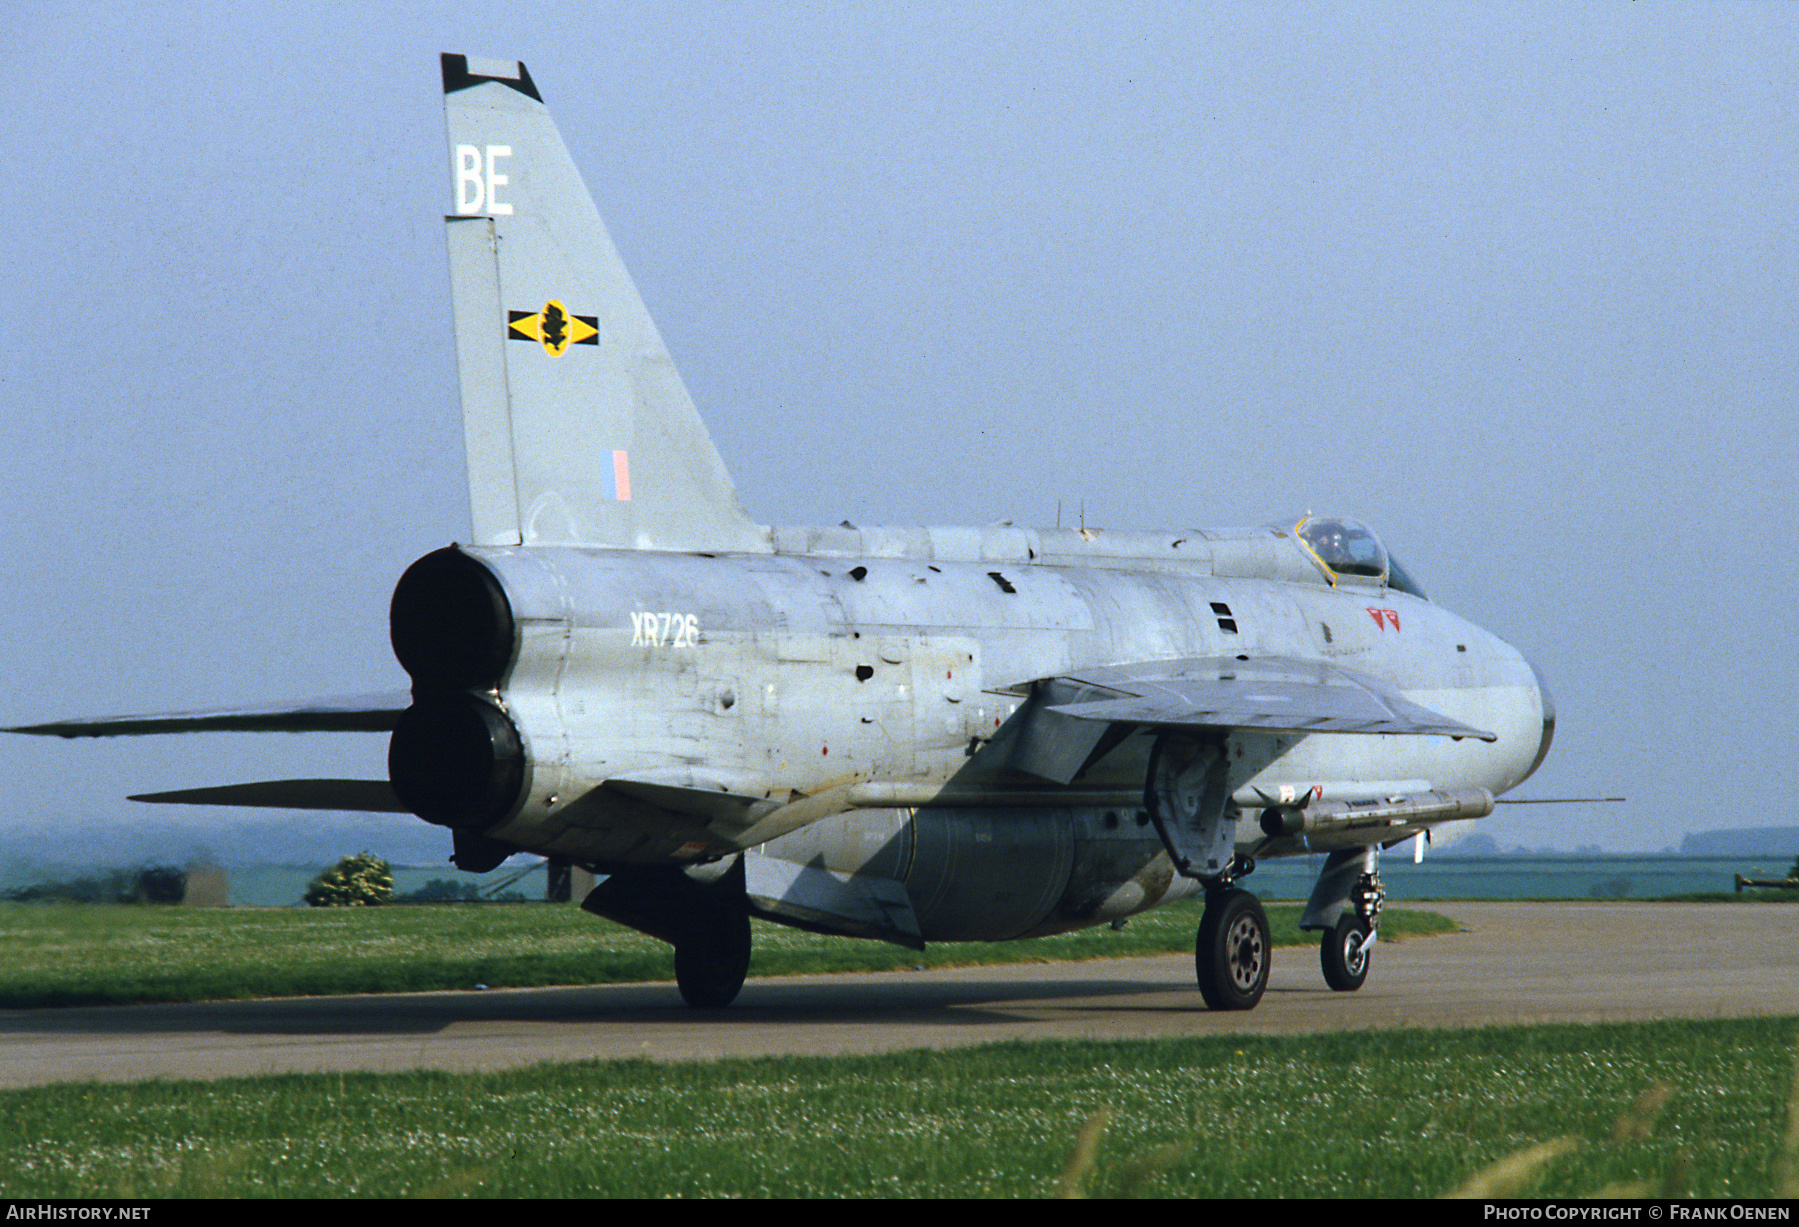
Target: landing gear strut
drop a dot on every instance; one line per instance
(1231, 956)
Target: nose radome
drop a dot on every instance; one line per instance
(1548, 734)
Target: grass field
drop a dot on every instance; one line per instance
(71, 954)
(1670, 1108)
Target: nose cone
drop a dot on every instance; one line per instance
(1548, 734)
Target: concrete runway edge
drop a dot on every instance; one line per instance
(1511, 963)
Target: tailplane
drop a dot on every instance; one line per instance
(579, 429)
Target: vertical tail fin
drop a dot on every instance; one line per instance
(578, 427)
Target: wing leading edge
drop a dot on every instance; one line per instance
(1272, 693)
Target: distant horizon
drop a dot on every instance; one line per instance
(11, 869)
(1516, 875)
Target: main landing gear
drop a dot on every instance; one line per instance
(711, 961)
(712, 944)
(1231, 956)
(1189, 801)
(701, 910)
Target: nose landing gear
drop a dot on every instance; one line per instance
(1344, 953)
(1345, 905)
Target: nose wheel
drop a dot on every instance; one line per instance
(1344, 953)
(1230, 957)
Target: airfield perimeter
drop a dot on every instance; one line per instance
(1514, 963)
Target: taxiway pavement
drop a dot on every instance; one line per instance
(1511, 963)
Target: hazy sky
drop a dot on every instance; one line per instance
(1513, 284)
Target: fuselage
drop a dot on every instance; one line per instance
(853, 668)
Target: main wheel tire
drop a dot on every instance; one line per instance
(710, 966)
(1231, 956)
(1344, 953)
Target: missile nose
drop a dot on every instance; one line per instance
(1548, 734)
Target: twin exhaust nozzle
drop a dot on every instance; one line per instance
(456, 758)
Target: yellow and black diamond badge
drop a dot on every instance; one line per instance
(553, 328)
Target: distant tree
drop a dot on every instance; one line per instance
(443, 890)
(363, 880)
(155, 884)
(161, 884)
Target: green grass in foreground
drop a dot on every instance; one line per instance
(71, 954)
(1700, 1109)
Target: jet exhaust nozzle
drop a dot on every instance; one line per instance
(451, 624)
(456, 758)
(457, 761)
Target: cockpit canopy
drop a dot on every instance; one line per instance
(1344, 546)
(1347, 548)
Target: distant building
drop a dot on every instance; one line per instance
(206, 885)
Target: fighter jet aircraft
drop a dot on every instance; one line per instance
(907, 734)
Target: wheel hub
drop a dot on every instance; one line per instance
(1243, 947)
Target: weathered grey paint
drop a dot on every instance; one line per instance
(991, 874)
(801, 687)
